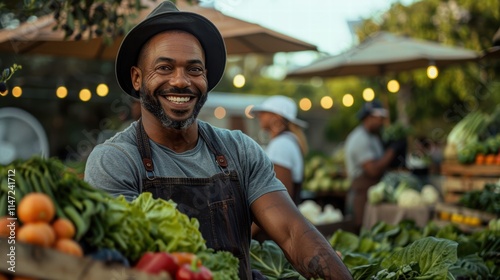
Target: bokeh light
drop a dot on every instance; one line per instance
(432, 72)
(61, 92)
(305, 104)
(347, 100)
(239, 81)
(220, 112)
(393, 86)
(368, 95)
(326, 102)
(85, 95)
(102, 90)
(17, 91)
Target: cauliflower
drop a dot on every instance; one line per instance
(376, 193)
(430, 195)
(409, 198)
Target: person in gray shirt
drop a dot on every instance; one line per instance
(365, 158)
(170, 61)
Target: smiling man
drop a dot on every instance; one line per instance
(223, 178)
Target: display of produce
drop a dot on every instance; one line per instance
(403, 189)
(323, 174)
(56, 209)
(475, 139)
(318, 215)
(487, 200)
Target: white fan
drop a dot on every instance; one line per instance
(21, 136)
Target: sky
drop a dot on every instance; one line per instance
(323, 23)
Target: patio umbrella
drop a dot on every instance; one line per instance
(241, 37)
(384, 53)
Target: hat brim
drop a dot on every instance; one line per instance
(258, 109)
(205, 31)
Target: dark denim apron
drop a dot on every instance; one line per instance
(218, 202)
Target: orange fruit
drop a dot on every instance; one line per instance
(63, 228)
(7, 225)
(38, 233)
(36, 207)
(69, 246)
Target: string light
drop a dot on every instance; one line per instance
(102, 90)
(220, 112)
(368, 95)
(326, 102)
(239, 81)
(432, 71)
(348, 100)
(305, 104)
(393, 86)
(17, 91)
(61, 92)
(85, 95)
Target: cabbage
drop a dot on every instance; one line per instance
(376, 193)
(409, 198)
(430, 195)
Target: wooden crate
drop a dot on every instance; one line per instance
(48, 264)
(461, 178)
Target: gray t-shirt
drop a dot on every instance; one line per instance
(116, 166)
(361, 147)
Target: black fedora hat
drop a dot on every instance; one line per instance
(165, 17)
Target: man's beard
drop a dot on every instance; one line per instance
(152, 104)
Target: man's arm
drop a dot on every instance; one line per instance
(375, 168)
(306, 249)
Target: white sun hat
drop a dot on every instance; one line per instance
(280, 105)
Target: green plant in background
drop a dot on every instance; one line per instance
(6, 75)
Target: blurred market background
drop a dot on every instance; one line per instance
(433, 63)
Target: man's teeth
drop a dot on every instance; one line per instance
(176, 99)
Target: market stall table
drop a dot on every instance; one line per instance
(393, 214)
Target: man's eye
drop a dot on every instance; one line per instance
(164, 68)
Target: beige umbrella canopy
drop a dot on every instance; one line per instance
(384, 53)
(241, 37)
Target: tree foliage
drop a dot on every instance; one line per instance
(458, 89)
(80, 19)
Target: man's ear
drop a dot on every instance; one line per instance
(136, 76)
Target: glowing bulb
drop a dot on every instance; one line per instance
(393, 86)
(17, 91)
(326, 102)
(432, 72)
(102, 90)
(62, 92)
(348, 100)
(85, 95)
(368, 95)
(305, 104)
(220, 112)
(239, 81)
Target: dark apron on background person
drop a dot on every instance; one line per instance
(357, 196)
(219, 203)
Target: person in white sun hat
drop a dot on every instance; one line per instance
(287, 147)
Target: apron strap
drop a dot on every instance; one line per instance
(144, 149)
(219, 157)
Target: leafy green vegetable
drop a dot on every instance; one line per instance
(432, 255)
(171, 229)
(269, 259)
(224, 265)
